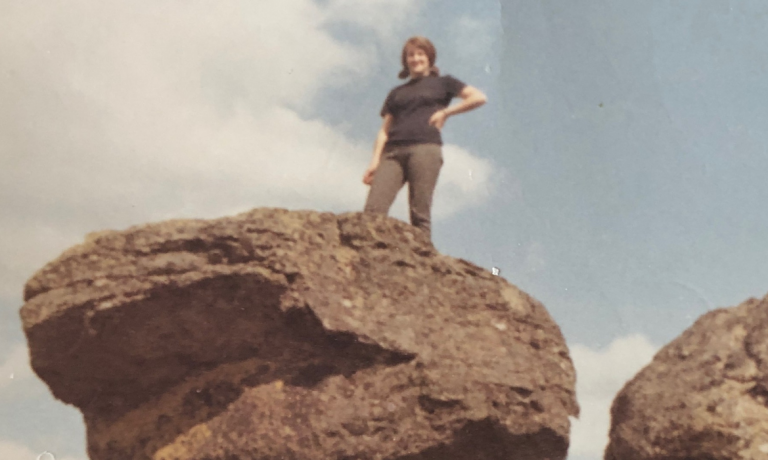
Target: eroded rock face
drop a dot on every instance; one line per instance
(296, 335)
(704, 396)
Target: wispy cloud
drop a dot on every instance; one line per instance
(121, 113)
(600, 374)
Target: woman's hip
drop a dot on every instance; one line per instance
(403, 152)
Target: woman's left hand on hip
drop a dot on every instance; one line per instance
(438, 119)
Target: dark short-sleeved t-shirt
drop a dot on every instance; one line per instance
(413, 103)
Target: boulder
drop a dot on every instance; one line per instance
(281, 334)
(703, 397)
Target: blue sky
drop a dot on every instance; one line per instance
(639, 144)
(616, 173)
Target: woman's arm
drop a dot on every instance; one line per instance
(378, 148)
(471, 98)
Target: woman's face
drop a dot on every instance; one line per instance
(417, 60)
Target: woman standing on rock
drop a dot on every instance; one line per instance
(408, 147)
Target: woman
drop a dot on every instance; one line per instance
(408, 146)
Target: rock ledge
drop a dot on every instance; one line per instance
(296, 335)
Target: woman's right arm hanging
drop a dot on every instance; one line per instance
(378, 148)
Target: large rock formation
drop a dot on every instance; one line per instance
(296, 335)
(704, 396)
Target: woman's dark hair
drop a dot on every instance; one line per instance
(425, 45)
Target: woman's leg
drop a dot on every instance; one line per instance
(424, 165)
(387, 181)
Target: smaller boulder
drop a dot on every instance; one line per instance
(703, 397)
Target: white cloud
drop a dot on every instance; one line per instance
(16, 369)
(465, 180)
(139, 96)
(10, 450)
(120, 113)
(600, 374)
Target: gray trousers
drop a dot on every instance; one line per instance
(417, 164)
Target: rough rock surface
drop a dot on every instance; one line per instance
(296, 335)
(704, 396)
